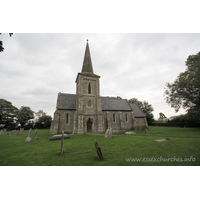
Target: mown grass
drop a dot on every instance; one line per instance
(183, 143)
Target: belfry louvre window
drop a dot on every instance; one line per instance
(89, 89)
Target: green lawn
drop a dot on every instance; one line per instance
(117, 151)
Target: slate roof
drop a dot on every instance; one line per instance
(112, 103)
(136, 110)
(67, 101)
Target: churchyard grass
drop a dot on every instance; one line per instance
(120, 150)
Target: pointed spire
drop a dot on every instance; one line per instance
(87, 62)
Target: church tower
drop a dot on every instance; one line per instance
(88, 116)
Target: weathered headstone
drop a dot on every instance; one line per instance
(17, 132)
(35, 134)
(62, 144)
(28, 139)
(107, 131)
(29, 133)
(130, 133)
(110, 133)
(99, 154)
(4, 131)
(21, 129)
(14, 132)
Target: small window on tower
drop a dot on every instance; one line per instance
(89, 89)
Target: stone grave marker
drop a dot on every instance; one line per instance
(21, 129)
(62, 144)
(146, 131)
(4, 131)
(99, 154)
(35, 134)
(110, 133)
(17, 132)
(1, 132)
(29, 133)
(107, 131)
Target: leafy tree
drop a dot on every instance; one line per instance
(7, 113)
(1, 43)
(24, 114)
(146, 109)
(39, 114)
(162, 116)
(45, 120)
(185, 91)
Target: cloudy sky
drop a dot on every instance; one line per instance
(35, 67)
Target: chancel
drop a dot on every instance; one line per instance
(87, 111)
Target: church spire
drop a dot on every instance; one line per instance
(87, 62)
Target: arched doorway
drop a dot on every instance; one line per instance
(89, 125)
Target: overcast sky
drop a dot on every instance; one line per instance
(34, 68)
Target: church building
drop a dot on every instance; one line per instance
(87, 111)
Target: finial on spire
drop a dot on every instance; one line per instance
(87, 40)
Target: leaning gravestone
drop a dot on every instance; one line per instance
(62, 144)
(107, 131)
(99, 154)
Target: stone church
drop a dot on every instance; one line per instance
(87, 111)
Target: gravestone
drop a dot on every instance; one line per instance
(14, 132)
(99, 154)
(29, 133)
(4, 131)
(110, 133)
(59, 137)
(130, 133)
(62, 144)
(146, 131)
(107, 131)
(28, 139)
(1, 132)
(21, 129)
(17, 132)
(35, 134)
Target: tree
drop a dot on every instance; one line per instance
(185, 91)
(146, 109)
(7, 113)
(162, 116)
(45, 120)
(39, 114)
(24, 114)
(1, 43)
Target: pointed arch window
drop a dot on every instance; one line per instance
(113, 117)
(67, 118)
(89, 89)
